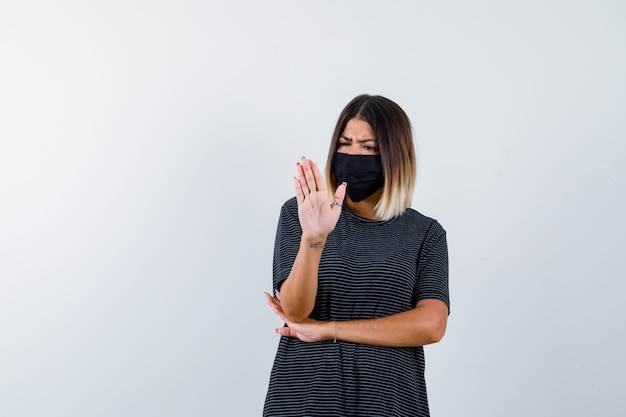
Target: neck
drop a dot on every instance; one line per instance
(365, 208)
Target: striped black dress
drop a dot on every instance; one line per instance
(368, 269)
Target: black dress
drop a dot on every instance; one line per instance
(368, 269)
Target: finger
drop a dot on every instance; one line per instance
(276, 308)
(340, 193)
(268, 301)
(298, 189)
(271, 301)
(268, 297)
(319, 179)
(302, 178)
(308, 174)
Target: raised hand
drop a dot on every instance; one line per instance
(318, 215)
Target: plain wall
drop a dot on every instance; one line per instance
(146, 149)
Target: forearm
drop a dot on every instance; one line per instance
(422, 325)
(299, 290)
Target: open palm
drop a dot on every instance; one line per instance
(318, 216)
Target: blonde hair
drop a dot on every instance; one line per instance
(393, 131)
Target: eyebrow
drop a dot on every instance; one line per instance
(358, 140)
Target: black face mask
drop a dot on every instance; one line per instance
(363, 173)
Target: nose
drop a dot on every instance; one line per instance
(354, 148)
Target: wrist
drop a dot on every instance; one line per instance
(313, 242)
(333, 330)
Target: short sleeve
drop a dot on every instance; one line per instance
(432, 267)
(287, 243)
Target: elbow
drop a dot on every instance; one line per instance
(437, 334)
(295, 315)
(431, 319)
(294, 307)
(295, 318)
(434, 332)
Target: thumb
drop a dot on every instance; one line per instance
(340, 194)
(286, 331)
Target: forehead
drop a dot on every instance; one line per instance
(358, 129)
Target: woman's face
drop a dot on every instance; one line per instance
(358, 138)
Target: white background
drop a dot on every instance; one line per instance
(147, 146)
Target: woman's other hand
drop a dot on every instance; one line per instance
(308, 330)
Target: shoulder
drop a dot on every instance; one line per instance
(289, 207)
(289, 215)
(431, 226)
(292, 203)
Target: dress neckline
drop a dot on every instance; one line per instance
(364, 219)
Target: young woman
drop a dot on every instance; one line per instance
(360, 279)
